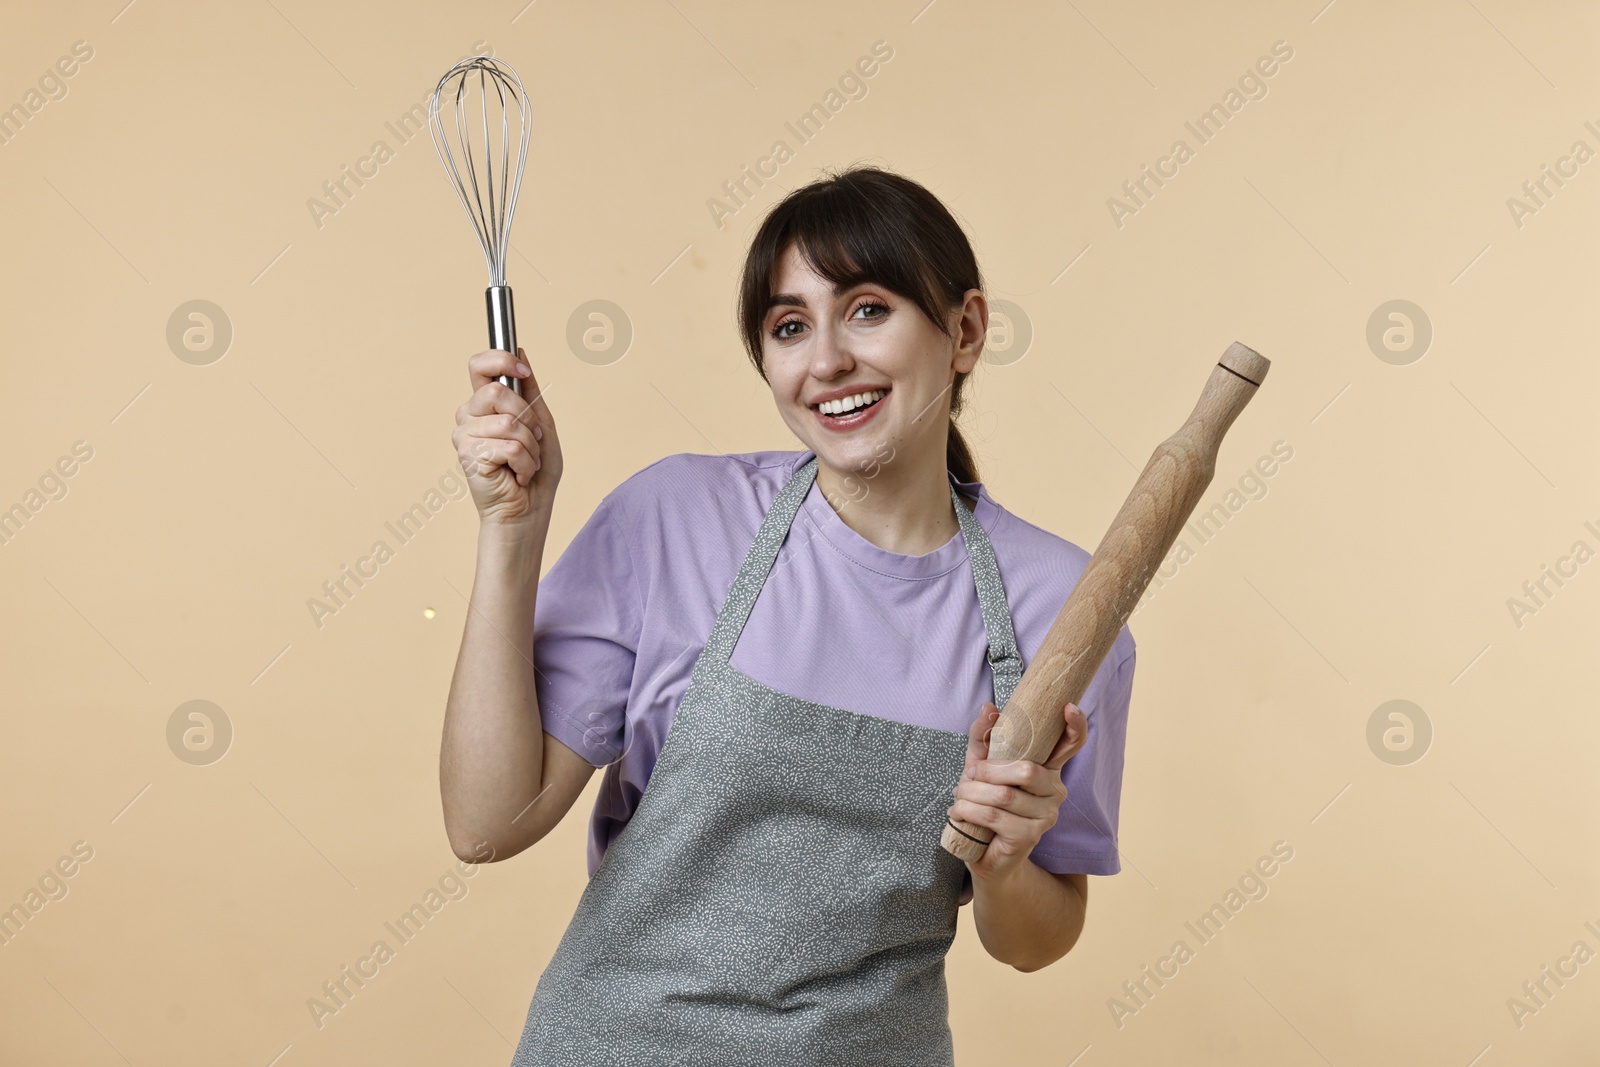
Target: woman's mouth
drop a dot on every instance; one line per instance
(849, 412)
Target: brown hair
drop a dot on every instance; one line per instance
(865, 224)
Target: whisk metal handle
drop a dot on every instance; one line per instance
(502, 328)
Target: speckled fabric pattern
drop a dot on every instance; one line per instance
(779, 896)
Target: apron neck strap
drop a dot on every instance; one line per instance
(1004, 659)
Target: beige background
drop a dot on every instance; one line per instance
(218, 498)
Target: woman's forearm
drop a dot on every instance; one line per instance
(492, 750)
(1027, 917)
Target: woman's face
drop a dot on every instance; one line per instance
(818, 344)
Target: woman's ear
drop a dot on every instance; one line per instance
(972, 330)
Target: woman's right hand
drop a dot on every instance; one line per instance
(507, 444)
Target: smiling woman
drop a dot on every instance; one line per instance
(783, 660)
(848, 286)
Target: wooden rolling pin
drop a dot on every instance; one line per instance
(1161, 501)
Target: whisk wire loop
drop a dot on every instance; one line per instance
(489, 199)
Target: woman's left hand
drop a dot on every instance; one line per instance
(1018, 799)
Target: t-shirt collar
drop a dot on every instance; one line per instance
(819, 518)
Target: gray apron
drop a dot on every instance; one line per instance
(779, 895)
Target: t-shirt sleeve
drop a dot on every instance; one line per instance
(1084, 838)
(588, 615)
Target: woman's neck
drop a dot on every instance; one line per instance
(901, 505)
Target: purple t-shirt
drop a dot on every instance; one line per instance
(622, 615)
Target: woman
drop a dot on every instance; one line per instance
(775, 656)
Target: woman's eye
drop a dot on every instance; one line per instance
(780, 330)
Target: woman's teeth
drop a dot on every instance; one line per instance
(845, 405)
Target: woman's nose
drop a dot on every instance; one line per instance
(830, 354)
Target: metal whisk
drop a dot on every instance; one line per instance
(488, 193)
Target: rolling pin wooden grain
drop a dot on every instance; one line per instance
(1161, 501)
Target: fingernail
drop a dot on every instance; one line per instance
(538, 433)
(522, 368)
